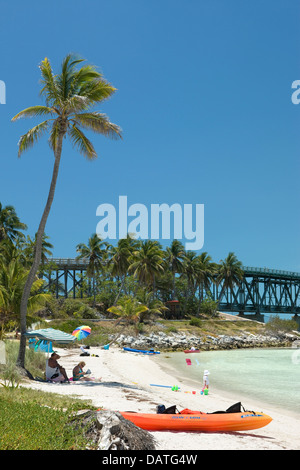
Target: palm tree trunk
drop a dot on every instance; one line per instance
(173, 294)
(120, 290)
(37, 253)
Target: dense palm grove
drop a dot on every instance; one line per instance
(128, 279)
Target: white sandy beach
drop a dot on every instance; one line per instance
(125, 386)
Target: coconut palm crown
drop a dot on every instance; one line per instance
(69, 97)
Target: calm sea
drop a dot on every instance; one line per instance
(269, 375)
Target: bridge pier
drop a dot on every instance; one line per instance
(253, 316)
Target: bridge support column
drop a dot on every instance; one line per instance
(253, 316)
(66, 283)
(259, 317)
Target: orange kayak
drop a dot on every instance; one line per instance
(197, 421)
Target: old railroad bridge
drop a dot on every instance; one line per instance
(261, 291)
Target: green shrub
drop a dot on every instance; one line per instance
(209, 307)
(85, 312)
(172, 329)
(195, 322)
(277, 324)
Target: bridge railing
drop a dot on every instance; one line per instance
(73, 263)
(272, 272)
(69, 262)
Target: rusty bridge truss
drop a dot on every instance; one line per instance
(261, 291)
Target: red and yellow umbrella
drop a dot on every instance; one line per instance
(82, 332)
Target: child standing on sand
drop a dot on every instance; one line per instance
(205, 379)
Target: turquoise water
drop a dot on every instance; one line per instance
(269, 375)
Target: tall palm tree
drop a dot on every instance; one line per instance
(10, 224)
(230, 272)
(190, 264)
(204, 274)
(147, 263)
(94, 252)
(119, 261)
(174, 260)
(70, 96)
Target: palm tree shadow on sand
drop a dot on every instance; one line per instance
(107, 384)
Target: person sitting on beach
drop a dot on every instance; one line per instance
(54, 371)
(78, 372)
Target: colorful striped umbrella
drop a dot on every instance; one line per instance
(81, 332)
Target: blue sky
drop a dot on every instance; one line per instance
(204, 101)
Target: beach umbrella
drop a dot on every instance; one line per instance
(50, 334)
(81, 332)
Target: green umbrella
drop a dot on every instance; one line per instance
(50, 334)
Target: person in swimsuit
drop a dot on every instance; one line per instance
(54, 371)
(78, 372)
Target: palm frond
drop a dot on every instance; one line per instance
(49, 81)
(85, 74)
(98, 122)
(34, 111)
(96, 90)
(65, 79)
(28, 140)
(80, 141)
(75, 104)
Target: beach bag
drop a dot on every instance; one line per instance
(171, 410)
(236, 408)
(160, 409)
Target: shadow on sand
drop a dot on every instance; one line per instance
(105, 384)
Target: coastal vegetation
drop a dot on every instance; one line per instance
(131, 284)
(134, 276)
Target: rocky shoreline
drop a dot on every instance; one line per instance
(180, 341)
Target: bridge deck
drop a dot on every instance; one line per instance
(73, 263)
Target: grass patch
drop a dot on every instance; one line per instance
(35, 420)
